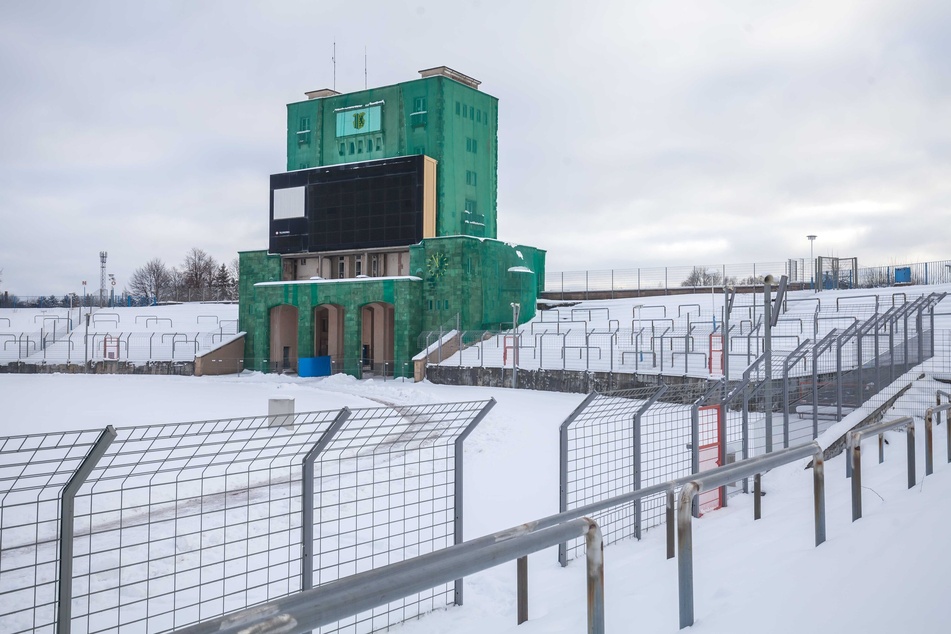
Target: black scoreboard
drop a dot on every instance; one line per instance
(353, 206)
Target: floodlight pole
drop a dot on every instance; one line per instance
(812, 263)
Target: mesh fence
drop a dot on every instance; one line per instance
(179, 523)
(619, 442)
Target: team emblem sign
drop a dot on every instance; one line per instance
(359, 119)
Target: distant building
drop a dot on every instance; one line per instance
(384, 228)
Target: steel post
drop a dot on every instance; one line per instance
(521, 567)
(457, 537)
(563, 466)
(307, 498)
(594, 550)
(64, 599)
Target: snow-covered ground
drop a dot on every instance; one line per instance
(887, 572)
(672, 334)
(137, 334)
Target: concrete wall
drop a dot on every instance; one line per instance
(225, 359)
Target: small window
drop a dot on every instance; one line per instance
(304, 124)
(470, 178)
(430, 304)
(419, 104)
(465, 111)
(474, 146)
(470, 206)
(360, 146)
(343, 149)
(379, 143)
(358, 266)
(478, 116)
(472, 114)
(351, 147)
(457, 107)
(341, 268)
(468, 144)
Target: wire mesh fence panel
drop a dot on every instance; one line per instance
(598, 458)
(183, 522)
(34, 470)
(601, 459)
(386, 491)
(179, 523)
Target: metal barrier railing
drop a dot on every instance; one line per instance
(310, 609)
(854, 450)
(731, 473)
(930, 415)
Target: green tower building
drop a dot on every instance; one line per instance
(383, 228)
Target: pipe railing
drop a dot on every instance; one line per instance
(307, 610)
(725, 475)
(854, 451)
(929, 416)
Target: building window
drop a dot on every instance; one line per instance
(351, 147)
(343, 149)
(358, 266)
(465, 111)
(472, 114)
(360, 147)
(478, 116)
(374, 266)
(470, 178)
(379, 143)
(304, 124)
(341, 268)
(468, 144)
(419, 104)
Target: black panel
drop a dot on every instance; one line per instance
(354, 206)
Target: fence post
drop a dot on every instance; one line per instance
(563, 467)
(457, 537)
(64, 602)
(307, 498)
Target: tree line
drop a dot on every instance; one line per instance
(199, 278)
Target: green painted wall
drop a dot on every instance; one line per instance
(254, 313)
(455, 124)
(471, 277)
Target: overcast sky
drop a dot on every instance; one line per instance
(630, 133)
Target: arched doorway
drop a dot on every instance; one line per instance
(376, 338)
(283, 355)
(328, 334)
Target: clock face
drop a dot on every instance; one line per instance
(436, 264)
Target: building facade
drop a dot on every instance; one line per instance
(383, 228)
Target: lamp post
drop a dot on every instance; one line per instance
(638, 339)
(812, 263)
(515, 308)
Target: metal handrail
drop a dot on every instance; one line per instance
(929, 415)
(854, 450)
(731, 473)
(307, 610)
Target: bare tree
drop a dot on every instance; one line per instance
(234, 269)
(198, 269)
(700, 276)
(152, 280)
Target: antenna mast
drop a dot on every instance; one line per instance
(102, 277)
(364, 66)
(333, 58)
